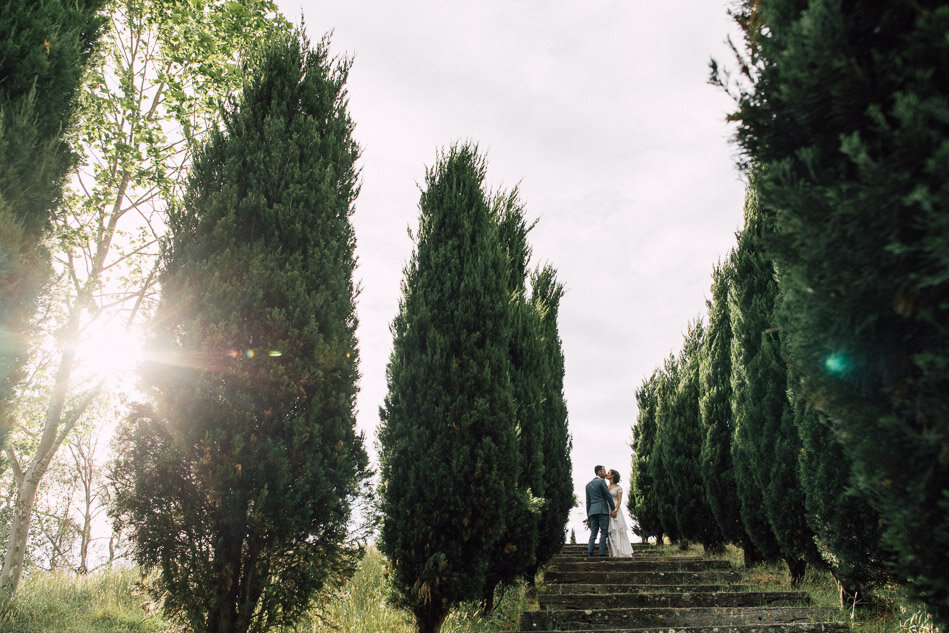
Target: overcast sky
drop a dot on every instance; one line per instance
(601, 112)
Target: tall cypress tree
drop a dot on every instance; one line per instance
(557, 486)
(238, 483)
(43, 48)
(666, 391)
(515, 552)
(848, 531)
(682, 446)
(765, 418)
(715, 408)
(643, 491)
(749, 318)
(448, 447)
(845, 110)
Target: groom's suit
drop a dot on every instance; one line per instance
(599, 506)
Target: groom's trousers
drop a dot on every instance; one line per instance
(598, 523)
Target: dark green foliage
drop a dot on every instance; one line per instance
(448, 446)
(643, 501)
(514, 554)
(764, 418)
(238, 484)
(557, 468)
(848, 531)
(715, 407)
(682, 439)
(43, 48)
(846, 114)
(666, 389)
(750, 312)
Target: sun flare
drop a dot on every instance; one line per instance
(110, 351)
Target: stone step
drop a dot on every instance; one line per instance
(635, 556)
(582, 601)
(630, 564)
(638, 548)
(796, 627)
(620, 577)
(593, 588)
(666, 618)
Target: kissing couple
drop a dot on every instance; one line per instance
(605, 515)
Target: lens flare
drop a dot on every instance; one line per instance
(837, 363)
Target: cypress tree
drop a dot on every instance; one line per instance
(643, 503)
(846, 114)
(557, 485)
(238, 484)
(848, 531)
(514, 554)
(448, 447)
(715, 408)
(748, 320)
(43, 48)
(682, 446)
(765, 417)
(666, 391)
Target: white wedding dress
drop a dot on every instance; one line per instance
(618, 542)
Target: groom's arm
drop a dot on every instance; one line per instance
(606, 491)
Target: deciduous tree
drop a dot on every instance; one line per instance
(152, 90)
(43, 49)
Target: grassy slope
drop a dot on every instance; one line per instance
(103, 602)
(113, 602)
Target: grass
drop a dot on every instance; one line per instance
(362, 606)
(113, 602)
(103, 602)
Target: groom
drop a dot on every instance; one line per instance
(599, 506)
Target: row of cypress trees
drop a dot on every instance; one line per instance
(239, 479)
(836, 300)
(727, 420)
(475, 452)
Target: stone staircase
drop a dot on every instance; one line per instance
(653, 592)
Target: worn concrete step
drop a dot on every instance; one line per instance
(621, 577)
(631, 564)
(636, 553)
(582, 601)
(593, 588)
(795, 627)
(666, 618)
(638, 548)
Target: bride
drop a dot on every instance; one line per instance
(618, 542)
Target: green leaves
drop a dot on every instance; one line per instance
(251, 432)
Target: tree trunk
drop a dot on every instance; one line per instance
(29, 484)
(751, 554)
(19, 530)
(430, 616)
(56, 425)
(796, 567)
